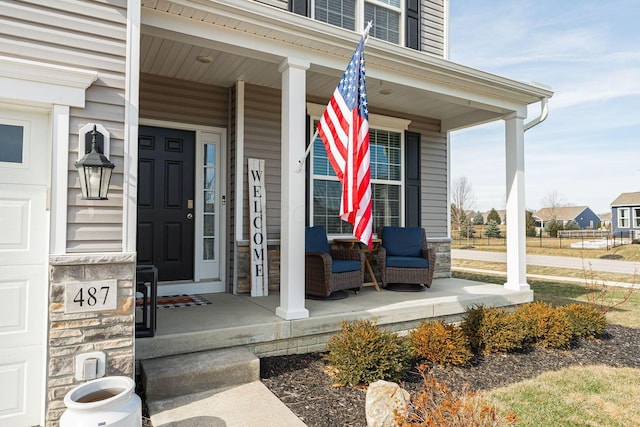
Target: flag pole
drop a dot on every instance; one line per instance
(365, 36)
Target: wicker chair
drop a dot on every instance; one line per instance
(328, 271)
(404, 258)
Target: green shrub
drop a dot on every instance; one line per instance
(586, 321)
(440, 343)
(362, 353)
(544, 325)
(492, 330)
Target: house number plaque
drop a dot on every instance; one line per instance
(100, 295)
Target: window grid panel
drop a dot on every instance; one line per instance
(340, 13)
(386, 23)
(636, 217)
(623, 218)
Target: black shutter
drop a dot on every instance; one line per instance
(301, 7)
(307, 174)
(412, 179)
(412, 27)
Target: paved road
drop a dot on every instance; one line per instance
(606, 265)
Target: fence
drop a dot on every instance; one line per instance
(582, 234)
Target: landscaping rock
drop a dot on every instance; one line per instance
(382, 399)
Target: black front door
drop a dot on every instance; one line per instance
(165, 201)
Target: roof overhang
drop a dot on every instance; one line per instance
(248, 41)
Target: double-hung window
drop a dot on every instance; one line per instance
(636, 217)
(385, 15)
(386, 147)
(623, 217)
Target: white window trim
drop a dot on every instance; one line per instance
(627, 217)
(359, 18)
(636, 216)
(376, 121)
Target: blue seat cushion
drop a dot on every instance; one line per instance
(402, 241)
(407, 262)
(342, 266)
(315, 240)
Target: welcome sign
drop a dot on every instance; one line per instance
(258, 229)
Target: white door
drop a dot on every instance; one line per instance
(24, 177)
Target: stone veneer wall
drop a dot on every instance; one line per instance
(318, 343)
(443, 256)
(111, 332)
(243, 261)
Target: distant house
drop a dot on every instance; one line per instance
(605, 219)
(625, 214)
(583, 215)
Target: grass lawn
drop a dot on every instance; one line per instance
(585, 396)
(577, 396)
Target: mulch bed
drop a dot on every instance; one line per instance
(301, 382)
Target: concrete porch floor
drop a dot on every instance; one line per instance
(240, 320)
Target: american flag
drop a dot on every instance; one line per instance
(344, 130)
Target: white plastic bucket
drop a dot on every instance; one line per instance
(108, 401)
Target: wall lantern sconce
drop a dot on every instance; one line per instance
(94, 169)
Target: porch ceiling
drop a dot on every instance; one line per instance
(248, 42)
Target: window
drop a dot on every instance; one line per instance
(636, 217)
(386, 153)
(209, 219)
(386, 16)
(623, 217)
(341, 13)
(11, 143)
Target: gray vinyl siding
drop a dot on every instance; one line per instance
(231, 186)
(262, 141)
(90, 35)
(432, 27)
(181, 101)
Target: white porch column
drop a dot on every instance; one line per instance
(292, 203)
(516, 227)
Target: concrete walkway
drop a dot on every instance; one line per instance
(245, 405)
(594, 264)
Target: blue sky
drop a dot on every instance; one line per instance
(588, 149)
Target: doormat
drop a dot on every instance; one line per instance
(176, 301)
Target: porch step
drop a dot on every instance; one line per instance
(174, 376)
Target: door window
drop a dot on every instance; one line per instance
(209, 208)
(11, 143)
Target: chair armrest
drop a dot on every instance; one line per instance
(318, 262)
(317, 273)
(382, 257)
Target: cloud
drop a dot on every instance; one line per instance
(588, 147)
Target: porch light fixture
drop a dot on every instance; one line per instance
(95, 172)
(205, 59)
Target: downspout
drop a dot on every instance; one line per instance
(544, 112)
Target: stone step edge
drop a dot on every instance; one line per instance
(172, 376)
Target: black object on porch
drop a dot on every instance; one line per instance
(147, 285)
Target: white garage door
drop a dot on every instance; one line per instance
(24, 177)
